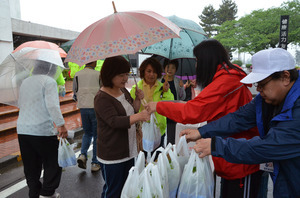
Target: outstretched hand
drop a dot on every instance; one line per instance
(151, 107)
(191, 135)
(203, 147)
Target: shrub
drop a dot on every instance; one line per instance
(248, 65)
(238, 62)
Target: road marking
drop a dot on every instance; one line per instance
(18, 186)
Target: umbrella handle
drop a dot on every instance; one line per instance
(115, 10)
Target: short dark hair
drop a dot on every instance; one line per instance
(294, 74)
(155, 64)
(210, 53)
(111, 67)
(168, 62)
(92, 64)
(44, 68)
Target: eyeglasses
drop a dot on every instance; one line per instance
(261, 85)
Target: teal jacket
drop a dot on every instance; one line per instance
(158, 95)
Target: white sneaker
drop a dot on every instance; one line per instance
(95, 167)
(55, 195)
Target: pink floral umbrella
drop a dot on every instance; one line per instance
(119, 34)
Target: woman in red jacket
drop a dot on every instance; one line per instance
(222, 94)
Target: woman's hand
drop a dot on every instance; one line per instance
(190, 134)
(193, 83)
(144, 115)
(139, 94)
(62, 131)
(181, 83)
(151, 107)
(166, 86)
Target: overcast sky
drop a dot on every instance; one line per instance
(76, 15)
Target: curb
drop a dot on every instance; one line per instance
(16, 157)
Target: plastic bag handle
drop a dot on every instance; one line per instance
(182, 146)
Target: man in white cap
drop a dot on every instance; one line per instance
(276, 113)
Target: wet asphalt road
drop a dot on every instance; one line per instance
(75, 182)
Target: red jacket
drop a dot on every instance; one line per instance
(225, 94)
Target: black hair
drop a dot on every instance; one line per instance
(167, 62)
(294, 74)
(44, 68)
(209, 54)
(112, 67)
(155, 65)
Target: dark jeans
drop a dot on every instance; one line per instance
(40, 152)
(115, 176)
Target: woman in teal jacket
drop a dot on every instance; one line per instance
(150, 71)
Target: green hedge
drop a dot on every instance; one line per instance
(248, 65)
(238, 62)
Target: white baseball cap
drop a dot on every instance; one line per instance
(267, 62)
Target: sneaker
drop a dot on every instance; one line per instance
(55, 195)
(95, 167)
(81, 160)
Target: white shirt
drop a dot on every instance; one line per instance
(39, 107)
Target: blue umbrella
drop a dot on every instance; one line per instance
(190, 36)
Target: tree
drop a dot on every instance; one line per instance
(226, 12)
(293, 9)
(297, 57)
(260, 29)
(229, 36)
(208, 20)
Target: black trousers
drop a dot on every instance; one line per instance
(40, 152)
(248, 186)
(171, 130)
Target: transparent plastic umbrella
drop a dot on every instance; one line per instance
(20, 65)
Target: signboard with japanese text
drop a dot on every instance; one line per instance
(283, 34)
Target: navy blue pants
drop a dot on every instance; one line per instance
(115, 176)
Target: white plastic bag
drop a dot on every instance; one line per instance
(140, 162)
(173, 169)
(197, 179)
(151, 182)
(162, 163)
(131, 187)
(66, 155)
(182, 151)
(151, 134)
